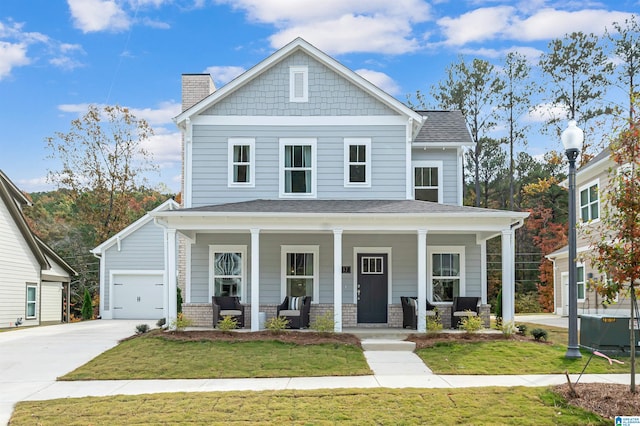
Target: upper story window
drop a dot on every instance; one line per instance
(589, 202)
(299, 84)
(427, 181)
(357, 162)
(298, 168)
(241, 162)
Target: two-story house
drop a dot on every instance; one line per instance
(303, 178)
(591, 180)
(34, 280)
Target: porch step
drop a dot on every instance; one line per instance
(387, 345)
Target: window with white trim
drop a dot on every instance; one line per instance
(298, 168)
(427, 181)
(357, 162)
(589, 202)
(580, 281)
(241, 162)
(446, 266)
(300, 268)
(32, 301)
(227, 270)
(299, 84)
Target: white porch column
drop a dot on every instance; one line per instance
(255, 279)
(337, 280)
(172, 279)
(483, 271)
(508, 284)
(422, 280)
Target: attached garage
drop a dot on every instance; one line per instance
(138, 296)
(51, 302)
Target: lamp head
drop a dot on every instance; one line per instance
(572, 137)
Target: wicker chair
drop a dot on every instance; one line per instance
(227, 306)
(296, 311)
(410, 311)
(464, 307)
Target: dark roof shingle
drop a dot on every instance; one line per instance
(443, 127)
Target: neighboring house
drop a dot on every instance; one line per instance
(132, 270)
(591, 180)
(303, 178)
(34, 283)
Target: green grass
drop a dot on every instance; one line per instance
(517, 406)
(510, 357)
(515, 357)
(158, 358)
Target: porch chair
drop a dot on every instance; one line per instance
(464, 307)
(410, 311)
(296, 311)
(227, 306)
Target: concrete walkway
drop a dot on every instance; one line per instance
(32, 359)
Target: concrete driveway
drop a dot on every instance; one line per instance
(32, 358)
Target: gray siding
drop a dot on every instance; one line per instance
(210, 162)
(141, 250)
(329, 94)
(450, 175)
(403, 258)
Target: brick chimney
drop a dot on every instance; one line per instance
(195, 87)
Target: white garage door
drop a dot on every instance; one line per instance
(137, 296)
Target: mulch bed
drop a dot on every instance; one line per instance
(290, 336)
(606, 400)
(428, 340)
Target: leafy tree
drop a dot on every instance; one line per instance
(516, 102)
(626, 46)
(474, 89)
(491, 163)
(579, 71)
(103, 160)
(617, 249)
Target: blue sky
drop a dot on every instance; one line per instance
(58, 56)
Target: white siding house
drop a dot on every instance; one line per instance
(34, 281)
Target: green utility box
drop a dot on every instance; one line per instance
(607, 333)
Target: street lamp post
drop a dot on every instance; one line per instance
(572, 138)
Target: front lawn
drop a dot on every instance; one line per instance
(517, 406)
(154, 357)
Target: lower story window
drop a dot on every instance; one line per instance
(300, 271)
(446, 273)
(32, 301)
(228, 270)
(580, 282)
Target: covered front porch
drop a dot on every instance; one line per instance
(355, 259)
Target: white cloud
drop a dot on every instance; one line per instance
(546, 111)
(552, 23)
(478, 25)
(223, 75)
(161, 115)
(381, 80)
(165, 147)
(98, 15)
(12, 55)
(340, 26)
(35, 184)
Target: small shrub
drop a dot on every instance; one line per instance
(142, 328)
(522, 329)
(181, 322)
(527, 303)
(499, 309)
(539, 334)
(434, 323)
(509, 328)
(324, 323)
(276, 325)
(179, 300)
(227, 323)
(471, 324)
(161, 322)
(87, 306)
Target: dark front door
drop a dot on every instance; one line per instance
(372, 288)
